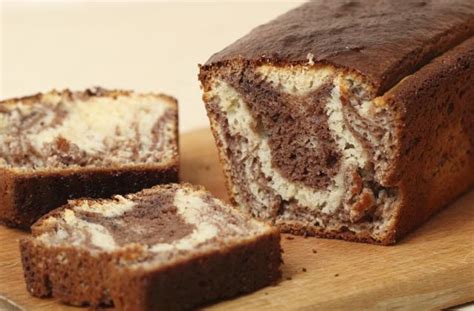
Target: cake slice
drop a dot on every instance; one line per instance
(166, 248)
(348, 119)
(63, 145)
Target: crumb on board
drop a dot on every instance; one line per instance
(289, 278)
(336, 275)
(289, 237)
(314, 251)
(304, 269)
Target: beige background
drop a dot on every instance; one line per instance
(145, 46)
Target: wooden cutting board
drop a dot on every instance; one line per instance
(430, 269)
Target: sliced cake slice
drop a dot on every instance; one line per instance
(165, 248)
(96, 143)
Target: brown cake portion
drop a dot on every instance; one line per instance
(348, 119)
(170, 247)
(63, 145)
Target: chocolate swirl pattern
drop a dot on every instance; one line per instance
(58, 146)
(347, 119)
(63, 130)
(169, 247)
(296, 148)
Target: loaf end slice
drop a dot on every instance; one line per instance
(170, 247)
(62, 145)
(315, 139)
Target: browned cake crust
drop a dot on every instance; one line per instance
(384, 40)
(220, 275)
(434, 160)
(132, 276)
(413, 61)
(26, 195)
(182, 285)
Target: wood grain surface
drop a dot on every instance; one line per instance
(430, 269)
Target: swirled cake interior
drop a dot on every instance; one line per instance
(164, 221)
(93, 128)
(299, 145)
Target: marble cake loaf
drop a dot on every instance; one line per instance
(63, 145)
(170, 247)
(348, 119)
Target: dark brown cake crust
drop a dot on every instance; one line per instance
(219, 275)
(206, 278)
(26, 196)
(435, 155)
(73, 268)
(384, 41)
